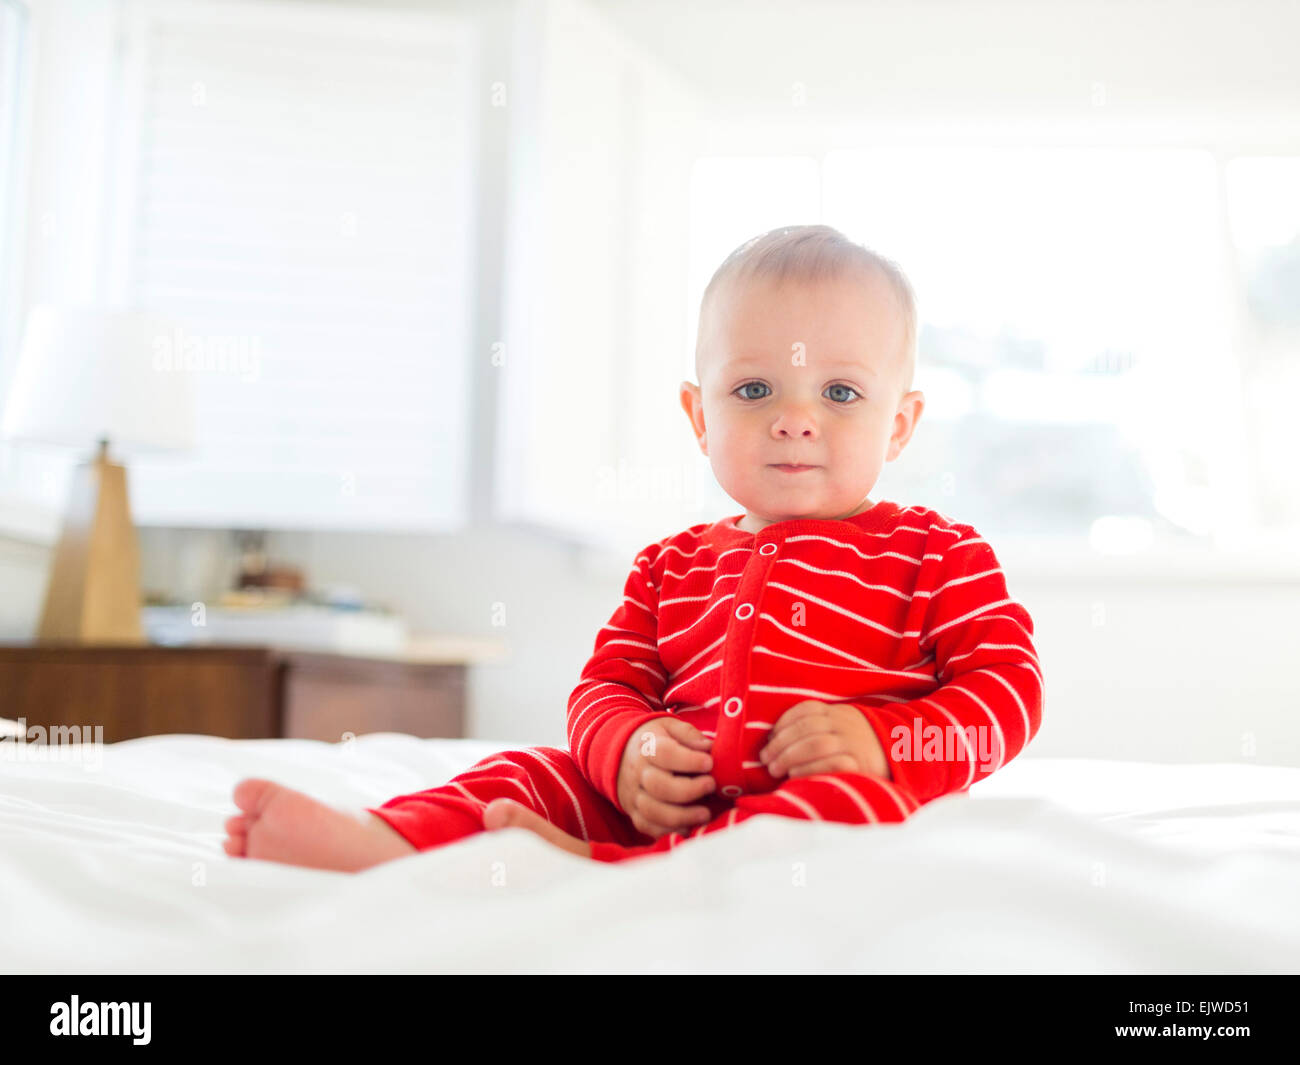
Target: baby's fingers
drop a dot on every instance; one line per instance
(672, 755)
(686, 734)
(670, 817)
(674, 788)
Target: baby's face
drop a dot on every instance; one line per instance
(804, 373)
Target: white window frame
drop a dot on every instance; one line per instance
(123, 199)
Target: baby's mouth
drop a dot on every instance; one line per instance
(787, 467)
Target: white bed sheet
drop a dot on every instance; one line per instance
(1051, 865)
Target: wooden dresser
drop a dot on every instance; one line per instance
(239, 692)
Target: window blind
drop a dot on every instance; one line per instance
(295, 191)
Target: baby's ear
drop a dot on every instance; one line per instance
(693, 405)
(905, 422)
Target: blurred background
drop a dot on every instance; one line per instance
(433, 270)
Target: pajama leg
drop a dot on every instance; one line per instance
(845, 798)
(544, 779)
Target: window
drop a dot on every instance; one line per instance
(1079, 350)
(1264, 217)
(296, 191)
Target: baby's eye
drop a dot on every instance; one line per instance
(846, 388)
(751, 384)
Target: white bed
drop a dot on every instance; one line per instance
(1049, 866)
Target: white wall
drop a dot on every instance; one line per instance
(1167, 671)
(1192, 65)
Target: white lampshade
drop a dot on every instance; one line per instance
(86, 374)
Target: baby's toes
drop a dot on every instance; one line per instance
(252, 794)
(236, 842)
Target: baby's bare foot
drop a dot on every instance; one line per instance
(279, 824)
(506, 813)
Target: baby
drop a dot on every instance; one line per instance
(822, 656)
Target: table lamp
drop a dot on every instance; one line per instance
(89, 378)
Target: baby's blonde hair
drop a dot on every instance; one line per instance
(812, 253)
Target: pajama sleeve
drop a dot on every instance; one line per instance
(622, 684)
(988, 704)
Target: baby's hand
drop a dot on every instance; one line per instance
(657, 776)
(816, 737)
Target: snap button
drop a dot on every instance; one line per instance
(731, 791)
(731, 711)
(767, 549)
(744, 610)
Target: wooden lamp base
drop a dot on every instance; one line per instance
(93, 594)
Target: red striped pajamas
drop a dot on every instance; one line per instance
(901, 613)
